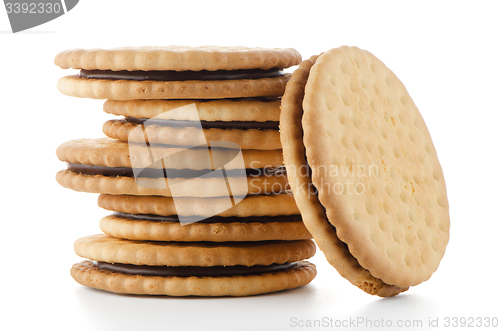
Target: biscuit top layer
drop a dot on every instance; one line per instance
(203, 254)
(108, 152)
(178, 58)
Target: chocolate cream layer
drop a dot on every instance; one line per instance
(213, 219)
(216, 271)
(170, 75)
(85, 169)
(241, 125)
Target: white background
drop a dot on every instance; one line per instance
(446, 53)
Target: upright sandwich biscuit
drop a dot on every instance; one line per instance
(374, 197)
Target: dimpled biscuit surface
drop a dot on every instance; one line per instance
(178, 58)
(375, 167)
(313, 213)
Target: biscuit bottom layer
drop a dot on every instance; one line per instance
(213, 219)
(85, 169)
(171, 75)
(189, 271)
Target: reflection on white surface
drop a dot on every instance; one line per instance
(108, 311)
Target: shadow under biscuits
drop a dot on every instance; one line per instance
(131, 312)
(406, 307)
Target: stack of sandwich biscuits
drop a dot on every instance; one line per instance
(192, 171)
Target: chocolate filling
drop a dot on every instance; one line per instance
(170, 75)
(213, 219)
(217, 271)
(241, 125)
(262, 99)
(85, 169)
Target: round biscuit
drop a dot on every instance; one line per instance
(252, 205)
(227, 110)
(121, 227)
(104, 248)
(178, 58)
(191, 187)
(313, 213)
(361, 128)
(75, 86)
(109, 152)
(191, 136)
